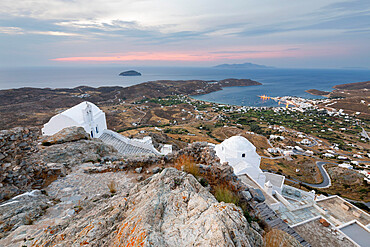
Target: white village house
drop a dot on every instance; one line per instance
(85, 115)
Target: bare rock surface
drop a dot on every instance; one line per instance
(22, 210)
(59, 205)
(68, 134)
(76, 152)
(26, 165)
(168, 209)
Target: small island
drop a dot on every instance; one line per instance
(130, 73)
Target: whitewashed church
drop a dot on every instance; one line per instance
(242, 156)
(92, 119)
(85, 114)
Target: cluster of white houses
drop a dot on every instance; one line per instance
(344, 223)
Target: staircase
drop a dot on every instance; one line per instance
(124, 147)
(271, 218)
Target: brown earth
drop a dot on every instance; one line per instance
(349, 183)
(35, 106)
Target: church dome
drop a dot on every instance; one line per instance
(239, 144)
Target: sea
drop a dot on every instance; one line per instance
(275, 82)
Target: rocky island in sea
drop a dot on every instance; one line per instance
(130, 73)
(242, 66)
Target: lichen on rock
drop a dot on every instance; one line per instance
(168, 209)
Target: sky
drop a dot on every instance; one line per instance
(280, 33)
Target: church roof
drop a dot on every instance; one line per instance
(239, 143)
(76, 112)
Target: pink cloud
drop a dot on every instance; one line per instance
(188, 57)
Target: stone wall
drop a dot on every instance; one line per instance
(16, 145)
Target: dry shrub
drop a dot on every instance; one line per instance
(278, 238)
(112, 186)
(224, 194)
(187, 163)
(28, 219)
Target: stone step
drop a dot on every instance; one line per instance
(122, 147)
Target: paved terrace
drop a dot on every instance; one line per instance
(297, 216)
(318, 235)
(340, 211)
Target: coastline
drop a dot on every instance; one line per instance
(318, 92)
(37, 105)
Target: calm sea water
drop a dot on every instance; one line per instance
(276, 82)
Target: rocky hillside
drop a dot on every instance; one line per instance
(79, 191)
(167, 209)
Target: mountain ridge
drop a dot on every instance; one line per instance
(242, 66)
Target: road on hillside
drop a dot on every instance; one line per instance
(326, 179)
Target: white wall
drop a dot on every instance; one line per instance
(61, 121)
(57, 123)
(99, 122)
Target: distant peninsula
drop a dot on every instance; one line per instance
(242, 66)
(318, 92)
(130, 73)
(345, 90)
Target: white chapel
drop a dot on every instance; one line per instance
(85, 114)
(242, 156)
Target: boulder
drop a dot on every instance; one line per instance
(69, 134)
(257, 195)
(138, 170)
(247, 195)
(155, 170)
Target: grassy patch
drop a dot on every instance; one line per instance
(187, 164)
(222, 193)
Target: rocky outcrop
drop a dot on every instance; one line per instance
(23, 209)
(27, 165)
(168, 209)
(76, 152)
(69, 134)
(16, 145)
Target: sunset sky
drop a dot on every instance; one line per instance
(281, 33)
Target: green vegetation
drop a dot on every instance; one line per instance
(167, 101)
(200, 105)
(178, 131)
(222, 193)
